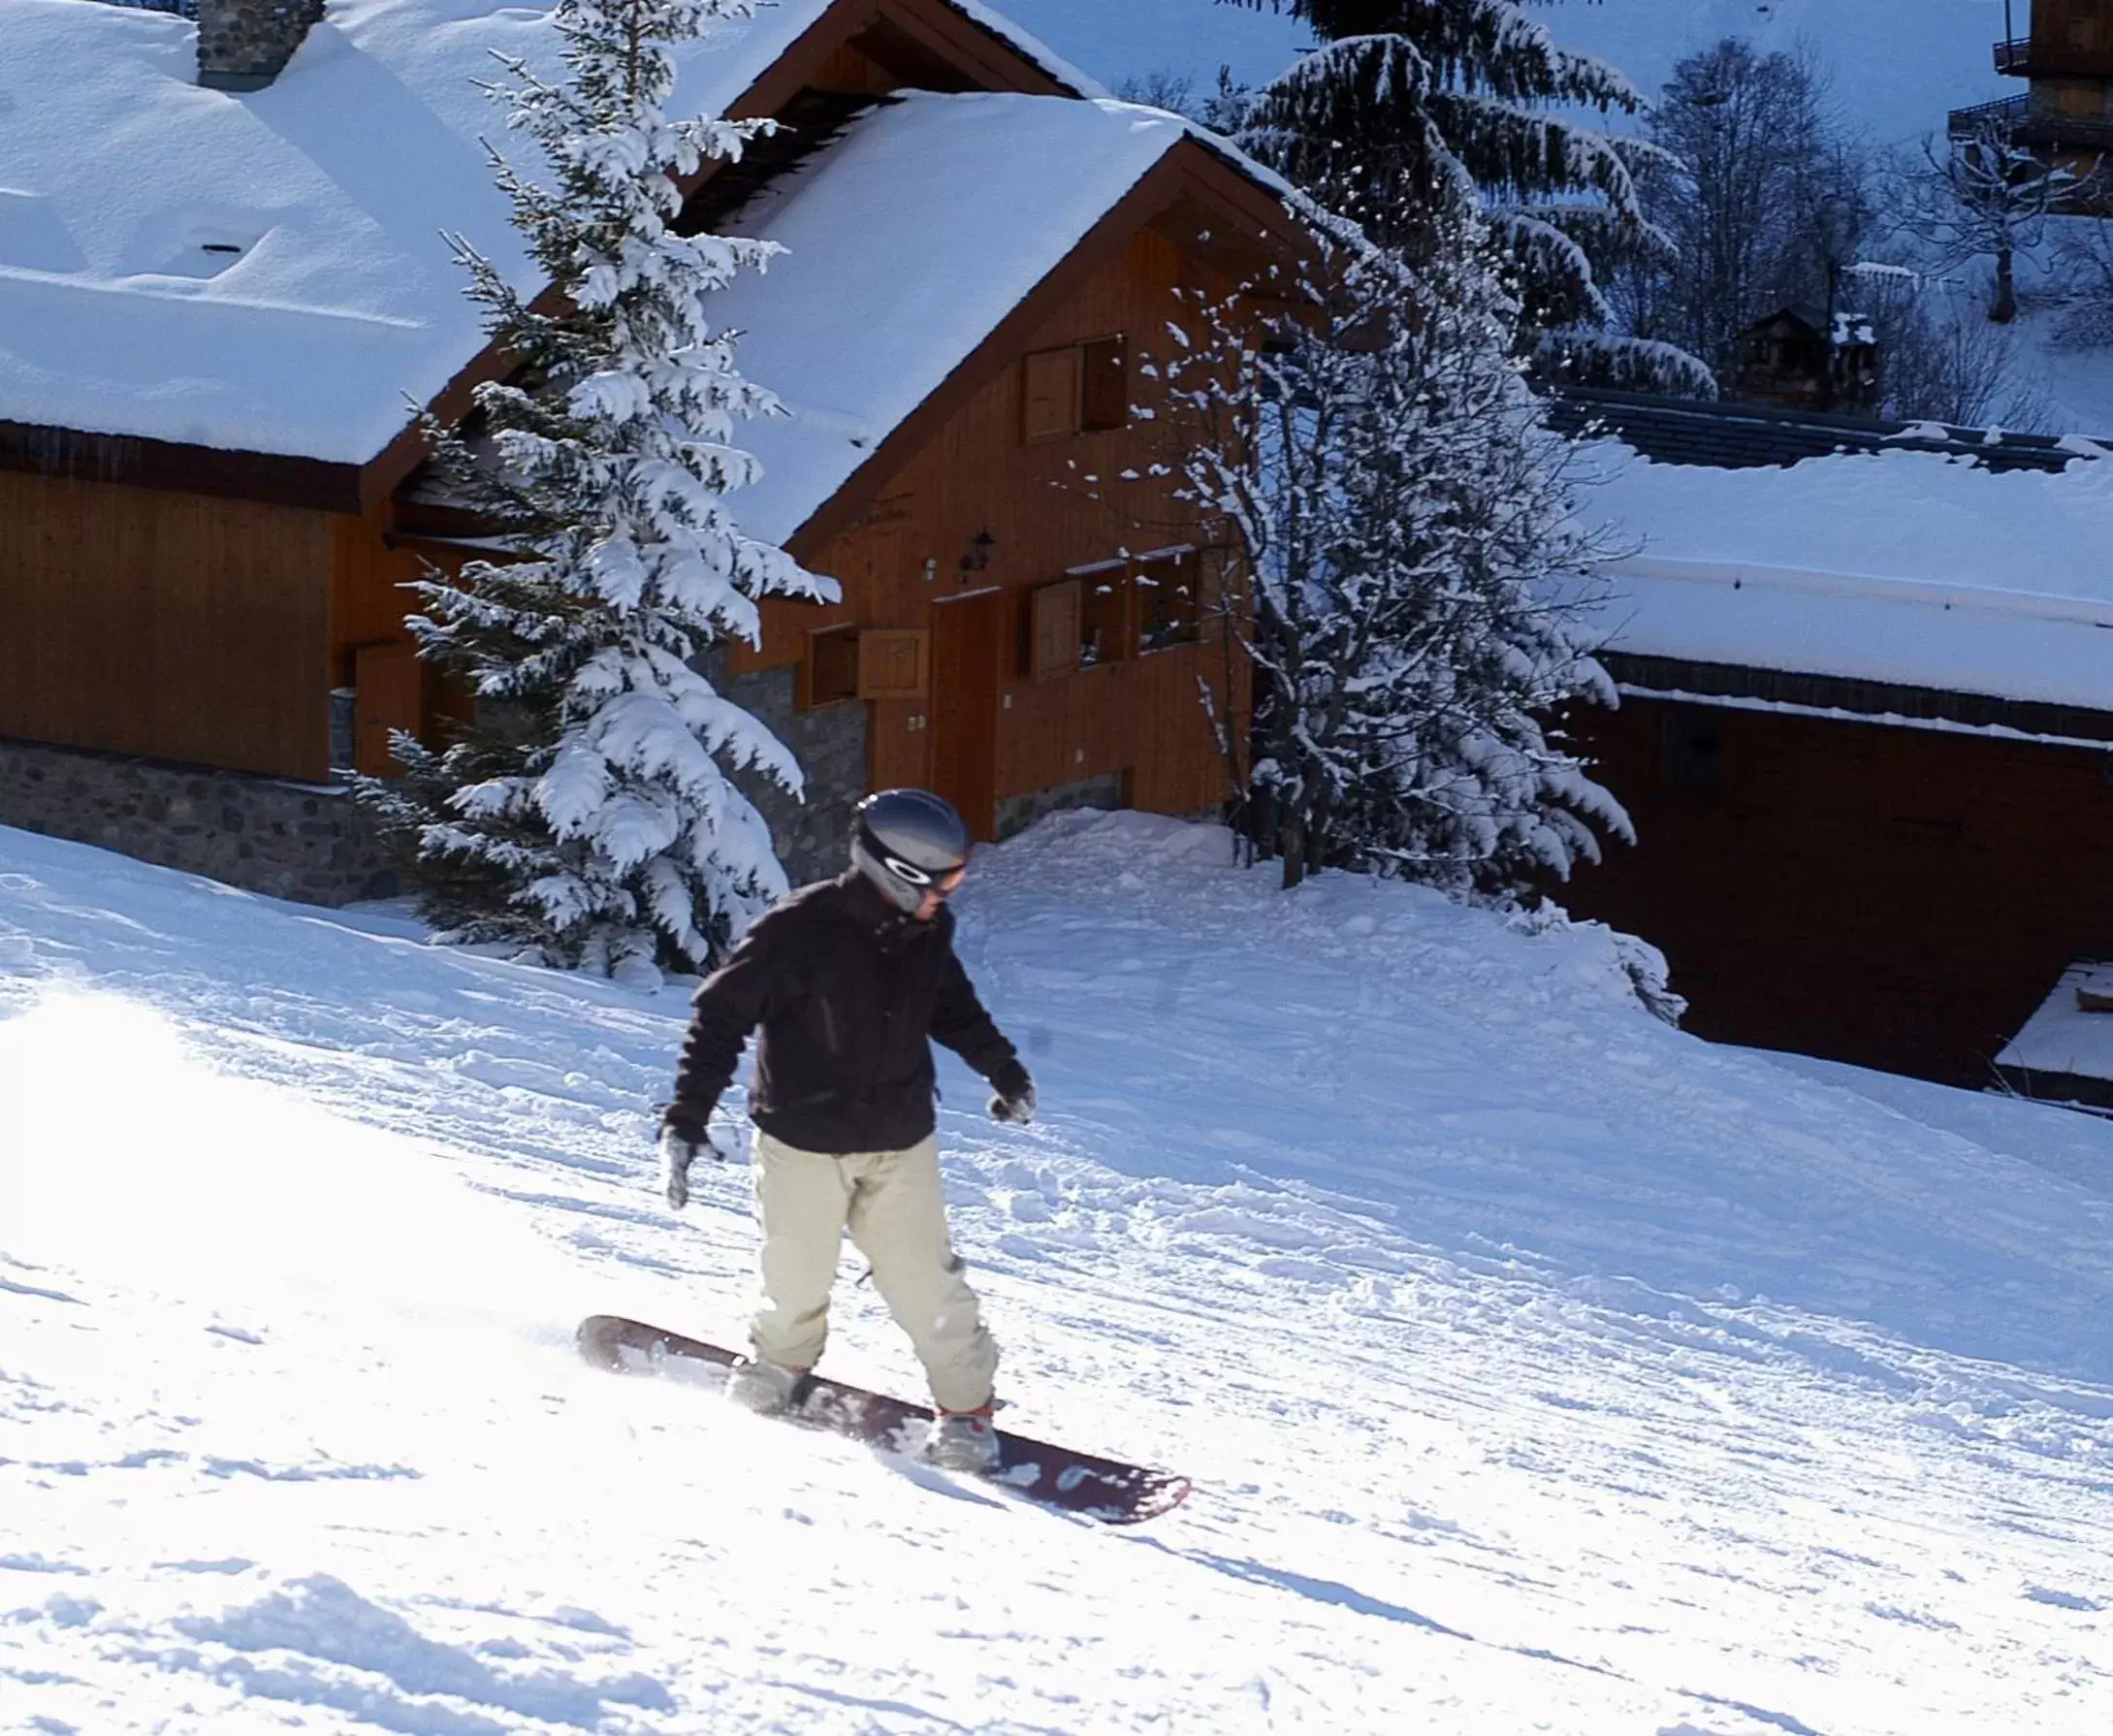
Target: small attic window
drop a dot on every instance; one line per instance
(1080, 388)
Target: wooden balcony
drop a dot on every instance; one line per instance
(2014, 119)
(2014, 55)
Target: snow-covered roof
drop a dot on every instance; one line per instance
(1908, 567)
(265, 271)
(2064, 1037)
(1025, 179)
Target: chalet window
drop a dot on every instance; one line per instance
(1104, 394)
(1104, 616)
(1169, 603)
(1053, 636)
(832, 665)
(1080, 388)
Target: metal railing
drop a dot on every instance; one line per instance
(2002, 116)
(2014, 55)
(2014, 119)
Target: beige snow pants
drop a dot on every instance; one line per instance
(891, 1202)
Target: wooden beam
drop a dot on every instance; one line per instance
(951, 34)
(271, 478)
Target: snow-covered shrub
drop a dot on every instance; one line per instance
(1413, 568)
(585, 814)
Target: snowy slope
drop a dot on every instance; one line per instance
(1541, 1367)
(1121, 40)
(1895, 67)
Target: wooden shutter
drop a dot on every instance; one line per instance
(1051, 393)
(1105, 396)
(894, 664)
(1053, 633)
(389, 682)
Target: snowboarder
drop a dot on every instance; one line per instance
(849, 979)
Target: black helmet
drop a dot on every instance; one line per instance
(909, 841)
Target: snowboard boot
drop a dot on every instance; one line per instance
(963, 1440)
(768, 1389)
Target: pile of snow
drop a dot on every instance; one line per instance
(1896, 567)
(1540, 1367)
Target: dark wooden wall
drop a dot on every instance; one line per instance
(2072, 37)
(998, 731)
(174, 626)
(1901, 898)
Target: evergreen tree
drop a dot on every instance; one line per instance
(1415, 567)
(585, 814)
(1414, 113)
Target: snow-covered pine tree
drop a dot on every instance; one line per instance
(585, 816)
(1412, 112)
(1414, 564)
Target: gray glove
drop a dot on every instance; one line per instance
(678, 1152)
(1015, 1105)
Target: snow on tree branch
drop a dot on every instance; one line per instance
(1413, 568)
(585, 814)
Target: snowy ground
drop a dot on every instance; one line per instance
(1540, 1367)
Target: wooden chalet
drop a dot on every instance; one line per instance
(1810, 357)
(211, 482)
(1866, 731)
(2063, 51)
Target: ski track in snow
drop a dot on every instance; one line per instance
(1538, 1366)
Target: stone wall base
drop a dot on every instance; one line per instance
(306, 841)
(814, 836)
(1016, 813)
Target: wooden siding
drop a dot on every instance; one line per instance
(173, 625)
(367, 601)
(1007, 733)
(371, 650)
(2071, 36)
(1900, 898)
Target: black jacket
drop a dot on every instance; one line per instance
(847, 990)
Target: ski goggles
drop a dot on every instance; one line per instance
(942, 880)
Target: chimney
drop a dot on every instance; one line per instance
(243, 45)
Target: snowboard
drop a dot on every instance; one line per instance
(1073, 1482)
